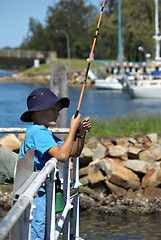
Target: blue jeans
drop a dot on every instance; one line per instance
(38, 223)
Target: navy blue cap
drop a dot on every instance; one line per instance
(42, 99)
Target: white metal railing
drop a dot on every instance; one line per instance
(17, 222)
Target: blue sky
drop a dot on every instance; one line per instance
(15, 14)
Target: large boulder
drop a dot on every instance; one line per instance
(11, 142)
(152, 193)
(152, 178)
(117, 152)
(95, 176)
(137, 165)
(122, 176)
(8, 159)
(86, 156)
(151, 155)
(100, 152)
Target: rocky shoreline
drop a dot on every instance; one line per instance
(113, 205)
(119, 175)
(75, 79)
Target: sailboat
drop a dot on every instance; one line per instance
(114, 81)
(148, 86)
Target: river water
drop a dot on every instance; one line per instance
(102, 105)
(96, 104)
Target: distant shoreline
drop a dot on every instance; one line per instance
(38, 79)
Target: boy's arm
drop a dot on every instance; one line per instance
(63, 152)
(79, 143)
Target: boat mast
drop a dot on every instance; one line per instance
(119, 33)
(157, 37)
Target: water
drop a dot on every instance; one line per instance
(96, 104)
(101, 227)
(6, 73)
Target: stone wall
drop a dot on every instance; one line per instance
(127, 166)
(118, 174)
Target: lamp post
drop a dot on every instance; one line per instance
(68, 45)
(157, 37)
(119, 33)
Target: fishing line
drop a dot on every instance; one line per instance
(90, 58)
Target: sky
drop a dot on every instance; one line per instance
(15, 14)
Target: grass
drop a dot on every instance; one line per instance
(126, 126)
(76, 65)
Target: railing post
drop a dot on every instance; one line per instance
(66, 195)
(22, 229)
(50, 206)
(76, 199)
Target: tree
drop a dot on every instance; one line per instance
(36, 36)
(79, 20)
(137, 29)
(71, 16)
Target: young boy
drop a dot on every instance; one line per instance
(43, 110)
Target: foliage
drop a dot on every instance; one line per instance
(36, 36)
(79, 20)
(125, 126)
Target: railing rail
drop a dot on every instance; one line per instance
(18, 219)
(23, 130)
(23, 53)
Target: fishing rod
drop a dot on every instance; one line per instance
(90, 58)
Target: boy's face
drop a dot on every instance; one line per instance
(48, 117)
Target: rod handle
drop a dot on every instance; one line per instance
(76, 114)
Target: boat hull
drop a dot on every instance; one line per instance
(108, 84)
(145, 89)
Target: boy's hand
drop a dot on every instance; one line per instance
(75, 122)
(86, 124)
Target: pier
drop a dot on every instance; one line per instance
(25, 58)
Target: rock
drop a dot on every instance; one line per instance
(132, 140)
(5, 202)
(94, 174)
(8, 159)
(152, 154)
(143, 140)
(11, 142)
(152, 193)
(91, 143)
(133, 151)
(152, 178)
(87, 190)
(106, 168)
(137, 165)
(153, 137)
(122, 142)
(100, 152)
(83, 171)
(21, 136)
(135, 195)
(115, 189)
(117, 152)
(86, 156)
(84, 181)
(121, 176)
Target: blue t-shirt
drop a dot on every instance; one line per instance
(42, 140)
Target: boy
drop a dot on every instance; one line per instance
(43, 110)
